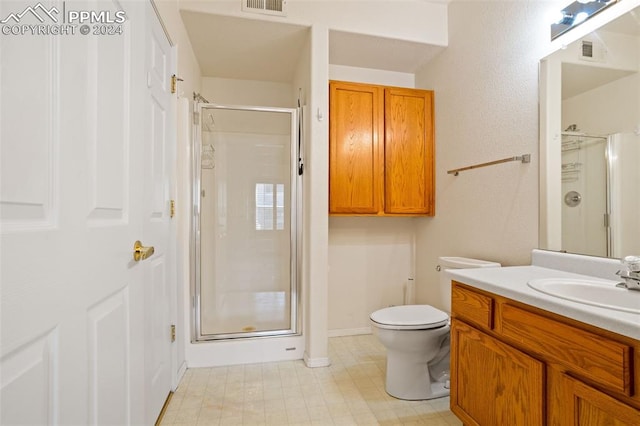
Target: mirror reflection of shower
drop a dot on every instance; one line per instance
(601, 193)
(584, 192)
(209, 123)
(245, 236)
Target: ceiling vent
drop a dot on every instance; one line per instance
(592, 51)
(267, 7)
(587, 49)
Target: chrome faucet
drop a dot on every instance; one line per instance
(631, 276)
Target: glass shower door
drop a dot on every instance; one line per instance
(584, 192)
(246, 250)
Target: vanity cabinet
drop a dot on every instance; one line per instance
(583, 405)
(381, 150)
(515, 364)
(491, 373)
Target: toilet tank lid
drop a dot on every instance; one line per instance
(464, 263)
(410, 315)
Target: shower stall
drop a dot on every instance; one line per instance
(600, 193)
(585, 204)
(246, 223)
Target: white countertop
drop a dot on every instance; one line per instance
(511, 282)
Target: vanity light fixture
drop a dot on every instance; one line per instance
(580, 17)
(563, 18)
(576, 13)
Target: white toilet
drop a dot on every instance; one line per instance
(417, 340)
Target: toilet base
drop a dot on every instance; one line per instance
(435, 390)
(408, 378)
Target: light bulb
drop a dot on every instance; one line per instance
(556, 17)
(580, 17)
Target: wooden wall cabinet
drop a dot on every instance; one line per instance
(381, 150)
(518, 365)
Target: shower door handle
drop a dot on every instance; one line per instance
(141, 252)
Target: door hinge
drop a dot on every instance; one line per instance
(174, 83)
(196, 118)
(172, 208)
(173, 333)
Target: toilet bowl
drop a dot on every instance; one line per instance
(417, 340)
(413, 335)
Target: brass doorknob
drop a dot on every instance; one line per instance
(141, 252)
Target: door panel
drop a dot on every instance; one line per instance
(481, 366)
(28, 184)
(408, 151)
(158, 169)
(109, 373)
(30, 364)
(108, 70)
(71, 206)
(30, 368)
(157, 159)
(586, 406)
(356, 134)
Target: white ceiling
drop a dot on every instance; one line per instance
(253, 49)
(365, 51)
(577, 78)
(628, 24)
(244, 49)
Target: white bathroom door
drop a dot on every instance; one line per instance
(158, 231)
(73, 133)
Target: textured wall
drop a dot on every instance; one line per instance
(486, 97)
(607, 109)
(370, 264)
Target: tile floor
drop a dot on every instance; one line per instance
(349, 392)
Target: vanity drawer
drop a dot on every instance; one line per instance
(471, 306)
(589, 355)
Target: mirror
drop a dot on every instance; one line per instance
(590, 142)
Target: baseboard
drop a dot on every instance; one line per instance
(180, 374)
(349, 332)
(244, 351)
(316, 362)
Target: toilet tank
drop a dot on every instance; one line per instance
(445, 263)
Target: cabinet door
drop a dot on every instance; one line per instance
(493, 383)
(585, 406)
(409, 152)
(355, 156)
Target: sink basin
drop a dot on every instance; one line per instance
(590, 292)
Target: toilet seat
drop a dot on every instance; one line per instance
(410, 317)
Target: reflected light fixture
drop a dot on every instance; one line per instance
(576, 13)
(580, 17)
